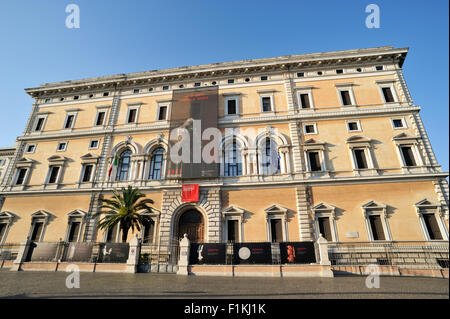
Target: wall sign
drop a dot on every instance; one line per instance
(207, 253)
(297, 253)
(189, 193)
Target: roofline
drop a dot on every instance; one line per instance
(301, 60)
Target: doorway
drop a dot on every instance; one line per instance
(191, 223)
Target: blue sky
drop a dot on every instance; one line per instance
(131, 36)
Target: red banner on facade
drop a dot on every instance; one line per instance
(189, 193)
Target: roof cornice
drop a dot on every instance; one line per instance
(224, 69)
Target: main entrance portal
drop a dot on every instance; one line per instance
(191, 223)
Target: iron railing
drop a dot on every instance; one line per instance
(408, 254)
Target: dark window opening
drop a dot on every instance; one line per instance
(37, 231)
(377, 227)
(69, 121)
(232, 230)
(74, 231)
(379, 67)
(87, 173)
(135, 91)
(162, 113)
(339, 71)
(320, 73)
(61, 146)
(300, 74)
(54, 170)
(230, 81)
(149, 229)
(21, 176)
(39, 124)
(360, 156)
(304, 99)
(276, 230)
(124, 165)
(432, 227)
(233, 165)
(76, 97)
(132, 116)
(231, 106)
(353, 126)
(314, 161)
(105, 93)
(310, 129)
(100, 118)
(94, 144)
(398, 123)
(266, 104)
(165, 87)
(324, 228)
(197, 84)
(156, 163)
(345, 95)
(388, 96)
(2, 230)
(264, 78)
(408, 156)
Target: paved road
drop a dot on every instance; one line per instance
(109, 285)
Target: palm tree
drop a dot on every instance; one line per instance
(125, 209)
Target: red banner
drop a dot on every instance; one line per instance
(189, 193)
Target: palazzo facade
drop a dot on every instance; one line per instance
(354, 159)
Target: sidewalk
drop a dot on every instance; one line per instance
(109, 285)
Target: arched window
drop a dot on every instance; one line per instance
(233, 165)
(124, 165)
(156, 164)
(270, 161)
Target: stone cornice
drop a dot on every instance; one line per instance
(224, 69)
(349, 180)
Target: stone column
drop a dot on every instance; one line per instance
(183, 260)
(323, 251)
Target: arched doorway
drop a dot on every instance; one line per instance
(191, 223)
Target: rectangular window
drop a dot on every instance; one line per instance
(105, 93)
(304, 101)
(136, 91)
(408, 156)
(165, 87)
(132, 116)
(300, 74)
(37, 231)
(264, 78)
(21, 176)
(76, 97)
(197, 84)
(100, 118)
(314, 161)
(339, 71)
(93, 144)
(387, 93)
(69, 121)
(87, 173)
(162, 113)
(31, 148)
(74, 231)
(353, 126)
(266, 104)
(62, 146)
(360, 157)
(398, 123)
(54, 170)
(230, 81)
(376, 227)
(379, 67)
(149, 229)
(324, 228)
(432, 227)
(39, 124)
(232, 230)
(345, 96)
(231, 107)
(310, 129)
(276, 230)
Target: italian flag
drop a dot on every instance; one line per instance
(113, 164)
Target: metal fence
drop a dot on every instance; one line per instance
(159, 257)
(406, 254)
